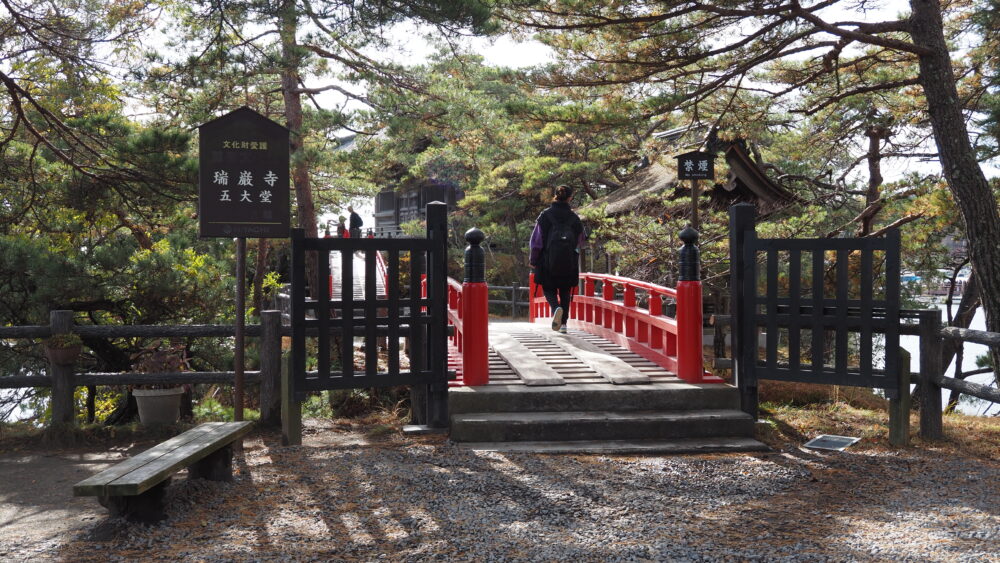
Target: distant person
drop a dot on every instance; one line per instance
(326, 231)
(356, 223)
(342, 231)
(554, 242)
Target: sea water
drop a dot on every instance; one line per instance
(971, 352)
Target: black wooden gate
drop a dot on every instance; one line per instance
(400, 312)
(843, 293)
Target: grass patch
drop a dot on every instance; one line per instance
(792, 425)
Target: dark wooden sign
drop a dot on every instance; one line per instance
(696, 166)
(243, 188)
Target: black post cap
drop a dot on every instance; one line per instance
(690, 263)
(475, 256)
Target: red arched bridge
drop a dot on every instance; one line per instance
(625, 377)
(614, 318)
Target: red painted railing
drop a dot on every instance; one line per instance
(382, 268)
(469, 347)
(674, 343)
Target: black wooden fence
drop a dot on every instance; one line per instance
(865, 302)
(321, 321)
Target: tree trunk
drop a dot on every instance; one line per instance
(963, 319)
(125, 412)
(260, 270)
(875, 135)
(958, 160)
(291, 57)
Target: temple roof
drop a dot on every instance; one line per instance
(653, 186)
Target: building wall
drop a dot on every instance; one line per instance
(394, 208)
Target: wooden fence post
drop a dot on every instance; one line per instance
(930, 367)
(270, 368)
(513, 301)
(437, 339)
(291, 409)
(63, 384)
(718, 333)
(899, 407)
(742, 218)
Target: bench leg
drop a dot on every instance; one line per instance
(147, 508)
(218, 466)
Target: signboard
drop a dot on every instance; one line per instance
(696, 166)
(243, 177)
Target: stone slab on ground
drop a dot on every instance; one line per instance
(623, 447)
(530, 368)
(609, 367)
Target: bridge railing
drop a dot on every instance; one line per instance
(455, 314)
(469, 316)
(672, 342)
(382, 268)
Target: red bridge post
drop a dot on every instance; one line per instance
(531, 297)
(690, 360)
(475, 313)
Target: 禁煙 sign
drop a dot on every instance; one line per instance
(696, 166)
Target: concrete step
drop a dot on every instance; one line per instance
(624, 447)
(666, 396)
(599, 425)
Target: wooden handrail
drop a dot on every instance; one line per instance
(629, 282)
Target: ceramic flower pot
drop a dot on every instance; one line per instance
(158, 406)
(63, 356)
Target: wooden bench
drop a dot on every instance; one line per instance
(135, 488)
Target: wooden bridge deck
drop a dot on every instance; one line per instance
(580, 358)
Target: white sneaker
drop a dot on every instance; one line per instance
(557, 318)
(562, 329)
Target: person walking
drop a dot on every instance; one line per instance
(356, 223)
(554, 244)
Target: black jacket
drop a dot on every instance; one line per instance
(557, 212)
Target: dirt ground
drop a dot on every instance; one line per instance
(38, 511)
(37, 508)
(878, 496)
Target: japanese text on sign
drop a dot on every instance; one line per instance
(696, 166)
(245, 145)
(221, 178)
(244, 183)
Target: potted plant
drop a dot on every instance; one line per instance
(63, 349)
(159, 403)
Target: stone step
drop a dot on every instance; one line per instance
(624, 447)
(599, 425)
(660, 396)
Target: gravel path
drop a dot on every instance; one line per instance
(403, 499)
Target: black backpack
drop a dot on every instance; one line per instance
(560, 249)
